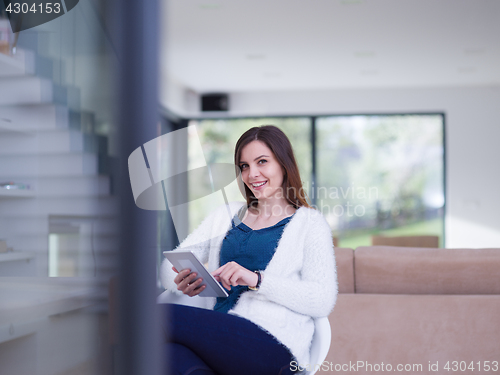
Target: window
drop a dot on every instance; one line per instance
(380, 175)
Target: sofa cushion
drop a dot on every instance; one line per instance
(344, 257)
(414, 329)
(406, 270)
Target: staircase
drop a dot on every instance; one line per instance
(47, 142)
(65, 224)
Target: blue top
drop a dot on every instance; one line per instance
(252, 249)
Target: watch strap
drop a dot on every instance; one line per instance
(259, 279)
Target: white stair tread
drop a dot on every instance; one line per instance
(34, 90)
(25, 89)
(14, 226)
(69, 164)
(19, 64)
(15, 256)
(28, 117)
(16, 193)
(53, 141)
(62, 206)
(64, 186)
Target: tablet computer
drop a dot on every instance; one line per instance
(186, 259)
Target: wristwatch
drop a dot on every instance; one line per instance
(259, 279)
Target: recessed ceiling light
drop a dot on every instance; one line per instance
(256, 56)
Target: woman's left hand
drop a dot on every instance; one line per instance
(232, 274)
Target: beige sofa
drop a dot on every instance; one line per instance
(416, 311)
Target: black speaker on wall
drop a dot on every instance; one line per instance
(215, 102)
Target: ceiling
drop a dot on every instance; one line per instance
(259, 45)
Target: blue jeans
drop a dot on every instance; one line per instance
(200, 341)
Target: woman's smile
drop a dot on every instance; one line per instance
(258, 185)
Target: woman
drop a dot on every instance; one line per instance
(275, 258)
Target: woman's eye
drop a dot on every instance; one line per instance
(243, 166)
(262, 161)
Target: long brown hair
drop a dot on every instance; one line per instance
(282, 149)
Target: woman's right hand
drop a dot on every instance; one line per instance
(184, 282)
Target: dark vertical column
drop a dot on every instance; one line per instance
(445, 178)
(137, 115)
(314, 181)
(167, 235)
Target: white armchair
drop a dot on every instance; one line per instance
(320, 344)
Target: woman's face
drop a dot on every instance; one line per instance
(260, 170)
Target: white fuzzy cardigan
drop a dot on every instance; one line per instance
(299, 283)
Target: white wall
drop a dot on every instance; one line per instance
(472, 142)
